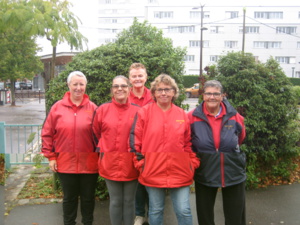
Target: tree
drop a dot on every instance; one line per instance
(264, 96)
(54, 20)
(46, 18)
(139, 43)
(18, 58)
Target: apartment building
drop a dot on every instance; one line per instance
(264, 31)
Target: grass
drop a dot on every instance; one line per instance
(39, 186)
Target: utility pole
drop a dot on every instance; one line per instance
(244, 30)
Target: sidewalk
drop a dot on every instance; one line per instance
(274, 205)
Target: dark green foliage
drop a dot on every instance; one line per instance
(264, 96)
(190, 80)
(140, 43)
(295, 81)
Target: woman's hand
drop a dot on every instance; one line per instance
(53, 165)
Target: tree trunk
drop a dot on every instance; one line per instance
(52, 71)
(12, 92)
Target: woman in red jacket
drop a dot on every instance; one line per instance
(67, 141)
(111, 126)
(160, 137)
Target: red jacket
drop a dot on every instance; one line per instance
(144, 100)
(162, 143)
(67, 136)
(111, 126)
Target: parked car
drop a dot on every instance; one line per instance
(192, 92)
(23, 85)
(17, 86)
(29, 85)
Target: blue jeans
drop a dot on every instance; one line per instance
(181, 203)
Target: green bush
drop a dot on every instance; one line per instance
(265, 97)
(139, 43)
(296, 91)
(190, 80)
(295, 81)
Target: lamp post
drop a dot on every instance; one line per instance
(201, 77)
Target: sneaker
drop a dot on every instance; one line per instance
(139, 220)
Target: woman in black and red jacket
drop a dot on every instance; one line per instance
(67, 142)
(218, 130)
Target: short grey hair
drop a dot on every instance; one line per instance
(214, 84)
(76, 73)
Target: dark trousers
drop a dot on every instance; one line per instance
(141, 201)
(234, 205)
(74, 186)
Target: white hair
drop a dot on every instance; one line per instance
(76, 73)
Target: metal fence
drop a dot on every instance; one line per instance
(21, 144)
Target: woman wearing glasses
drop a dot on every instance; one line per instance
(160, 137)
(217, 132)
(111, 126)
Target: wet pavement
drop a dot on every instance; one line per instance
(275, 205)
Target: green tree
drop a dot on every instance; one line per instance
(18, 58)
(263, 95)
(139, 43)
(46, 18)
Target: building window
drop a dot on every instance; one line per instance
(114, 30)
(250, 30)
(298, 15)
(214, 58)
(268, 15)
(189, 58)
(298, 74)
(230, 44)
(232, 14)
(162, 15)
(197, 14)
(197, 44)
(286, 30)
(217, 29)
(110, 40)
(285, 59)
(266, 44)
(298, 44)
(152, 1)
(181, 29)
(107, 1)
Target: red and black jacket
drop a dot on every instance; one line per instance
(222, 162)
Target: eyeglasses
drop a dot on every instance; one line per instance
(166, 90)
(216, 94)
(116, 86)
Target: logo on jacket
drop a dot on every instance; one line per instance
(229, 126)
(180, 121)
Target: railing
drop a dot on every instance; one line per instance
(21, 144)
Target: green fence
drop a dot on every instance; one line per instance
(20, 143)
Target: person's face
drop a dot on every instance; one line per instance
(120, 90)
(77, 87)
(137, 77)
(213, 97)
(164, 94)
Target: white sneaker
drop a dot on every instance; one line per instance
(139, 220)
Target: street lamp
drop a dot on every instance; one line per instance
(201, 77)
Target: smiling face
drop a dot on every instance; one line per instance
(120, 90)
(210, 97)
(164, 94)
(137, 78)
(77, 86)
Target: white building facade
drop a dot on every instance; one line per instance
(270, 31)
